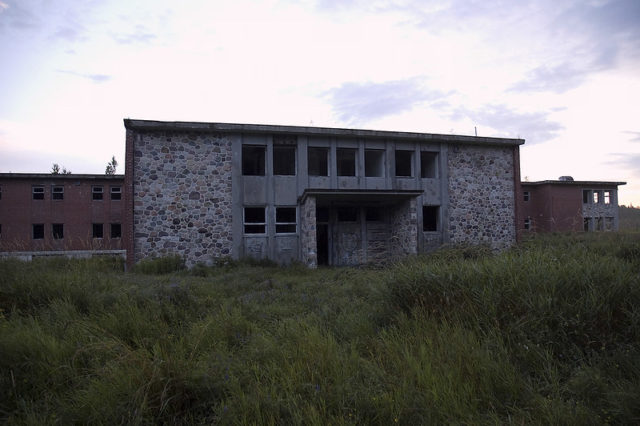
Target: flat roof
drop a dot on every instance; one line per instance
(185, 126)
(574, 182)
(72, 176)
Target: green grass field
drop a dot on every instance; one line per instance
(546, 333)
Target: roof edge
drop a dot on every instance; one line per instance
(573, 182)
(60, 176)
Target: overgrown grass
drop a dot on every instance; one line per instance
(546, 333)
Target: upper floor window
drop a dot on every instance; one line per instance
(254, 220)
(318, 161)
(428, 164)
(596, 197)
(374, 163)
(346, 161)
(284, 160)
(57, 192)
(96, 192)
(253, 160)
(116, 193)
(607, 197)
(286, 220)
(586, 196)
(38, 192)
(526, 195)
(404, 163)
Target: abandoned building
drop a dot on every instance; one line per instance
(44, 214)
(315, 195)
(566, 205)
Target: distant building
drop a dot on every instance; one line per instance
(568, 205)
(60, 213)
(315, 195)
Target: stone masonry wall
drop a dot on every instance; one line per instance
(308, 234)
(481, 196)
(182, 196)
(404, 229)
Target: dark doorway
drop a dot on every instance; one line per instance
(322, 239)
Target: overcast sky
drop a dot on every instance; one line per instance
(562, 74)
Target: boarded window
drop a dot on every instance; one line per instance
(428, 164)
(429, 218)
(526, 196)
(404, 160)
(116, 230)
(96, 192)
(284, 160)
(374, 163)
(37, 192)
(286, 220)
(318, 161)
(57, 193)
(116, 193)
(58, 231)
(38, 231)
(346, 162)
(97, 230)
(253, 160)
(254, 220)
(347, 214)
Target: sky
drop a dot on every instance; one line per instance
(562, 74)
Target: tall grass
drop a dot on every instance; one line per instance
(546, 333)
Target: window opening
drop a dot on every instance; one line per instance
(286, 222)
(596, 197)
(373, 214)
(116, 193)
(608, 224)
(607, 197)
(253, 160)
(322, 215)
(38, 192)
(600, 224)
(585, 196)
(254, 220)
(586, 224)
(404, 163)
(374, 163)
(116, 230)
(97, 230)
(284, 160)
(526, 195)
(428, 164)
(429, 218)
(57, 230)
(348, 214)
(527, 223)
(38, 231)
(318, 161)
(57, 193)
(346, 162)
(96, 192)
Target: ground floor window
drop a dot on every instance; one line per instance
(430, 218)
(38, 231)
(528, 223)
(58, 231)
(116, 230)
(97, 230)
(254, 220)
(286, 222)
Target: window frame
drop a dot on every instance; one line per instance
(94, 228)
(341, 160)
(37, 192)
(247, 164)
(97, 192)
(257, 224)
(324, 162)
(111, 233)
(403, 152)
(40, 231)
(435, 216)
(433, 162)
(57, 235)
(57, 192)
(277, 171)
(118, 192)
(526, 196)
(284, 224)
(378, 162)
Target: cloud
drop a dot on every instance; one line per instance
(355, 103)
(96, 78)
(18, 16)
(140, 35)
(628, 161)
(535, 127)
(635, 136)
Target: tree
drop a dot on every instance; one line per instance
(111, 166)
(55, 170)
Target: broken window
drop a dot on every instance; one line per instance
(317, 159)
(38, 192)
(96, 192)
(322, 215)
(254, 220)
(607, 197)
(600, 224)
(116, 230)
(57, 193)
(608, 224)
(596, 197)
(374, 163)
(586, 224)
(373, 214)
(430, 218)
(97, 229)
(527, 223)
(57, 230)
(347, 214)
(286, 220)
(284, 160)
(428, 164)
(404, 163)
(38, 231)
(253, 157)
(586, 196)
(526, 195)
(116, 193)
(346, 162)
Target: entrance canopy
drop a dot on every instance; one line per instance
(327, 197)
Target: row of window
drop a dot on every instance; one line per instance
(589, 223)
(590, 196)
(286, 218)
(318, 160)
(57, 192)
(57, 230)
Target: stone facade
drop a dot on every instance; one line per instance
(308, 245)
(182, 196)
(404, 232)
(481, 196)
